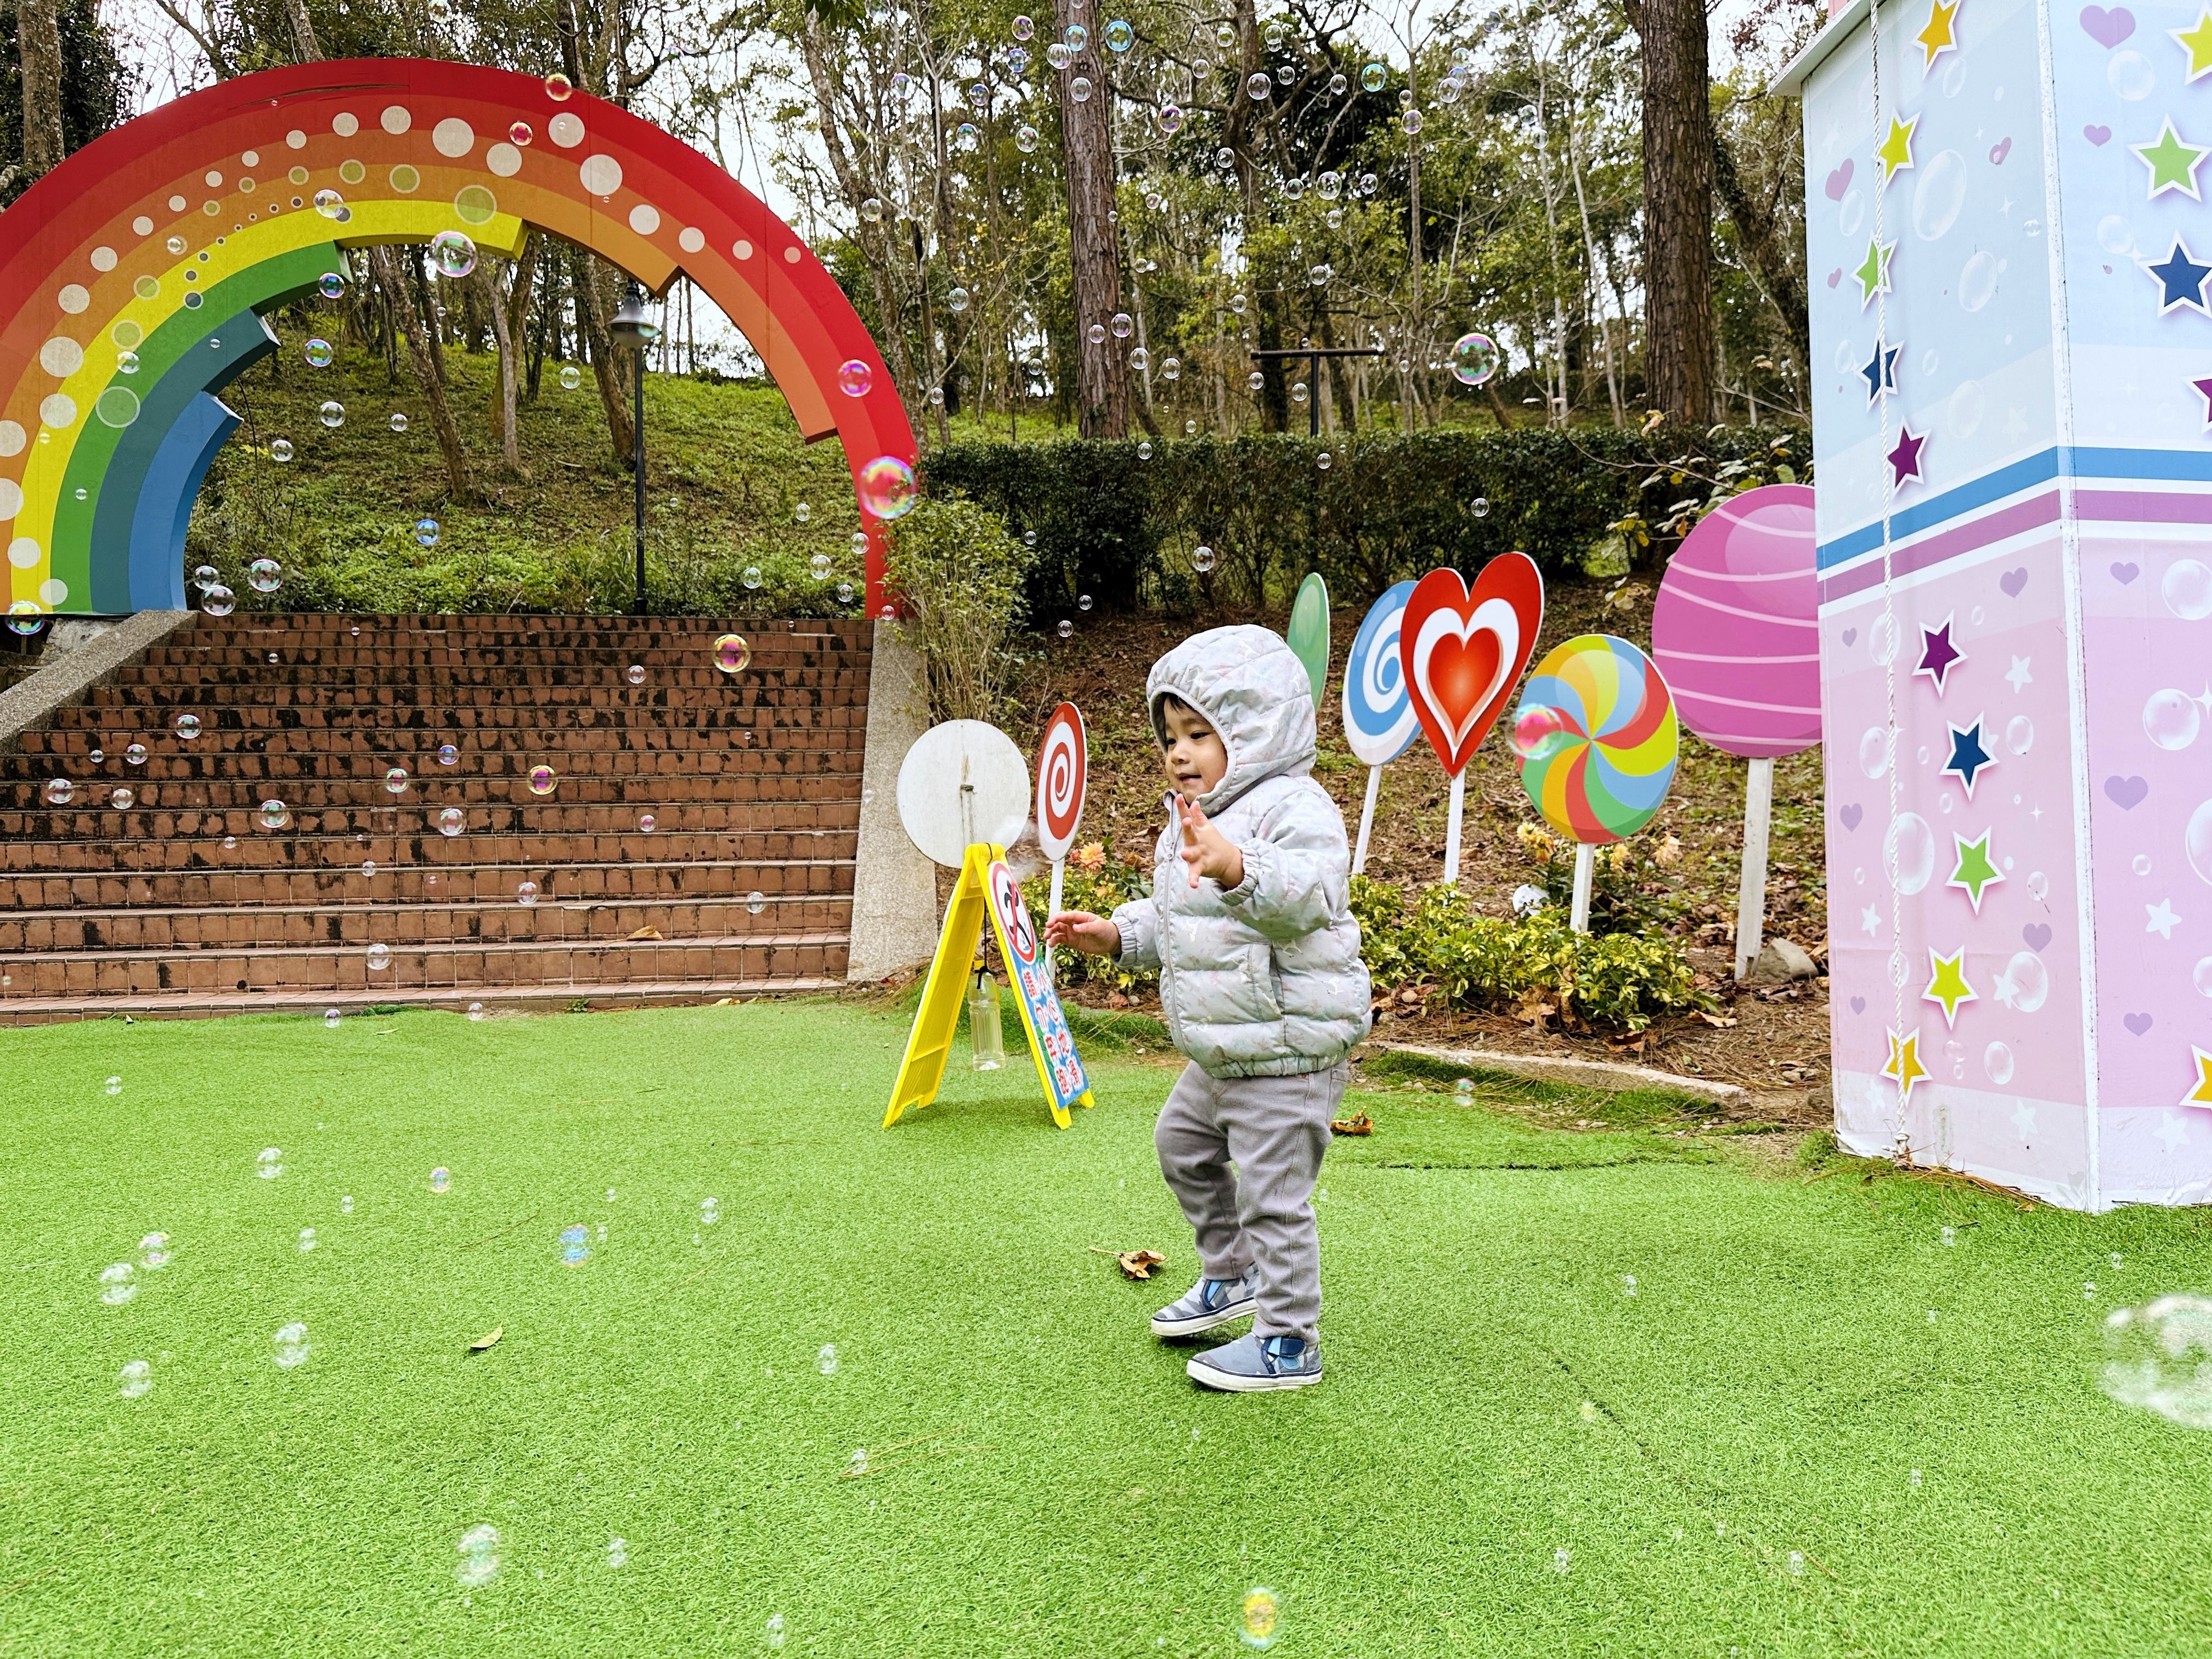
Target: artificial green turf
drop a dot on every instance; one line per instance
(1769, 1389)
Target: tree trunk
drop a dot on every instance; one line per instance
(392, 277)
(506, 330)
(604, 369)
(1678, 207)
(1086, 139)
(38, 45)
(1763, 248)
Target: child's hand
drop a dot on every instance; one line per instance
(1206, 850)
(1080, 930)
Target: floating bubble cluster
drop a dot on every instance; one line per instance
(575, 1245)
(291, 1344)
(2160, 1358)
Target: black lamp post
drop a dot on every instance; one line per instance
(633, 326)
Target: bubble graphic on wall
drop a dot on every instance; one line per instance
(1908, 851)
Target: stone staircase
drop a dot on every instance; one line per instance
(697, 839)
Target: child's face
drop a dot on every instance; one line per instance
(1195, 757)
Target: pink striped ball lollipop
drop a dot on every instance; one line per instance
(1734, 630)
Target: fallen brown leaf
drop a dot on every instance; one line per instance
(488, 1339)
(1361, 1125)
(647, 931)
(1715, 1020)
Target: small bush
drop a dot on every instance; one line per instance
(960, 575)
(1468, 961)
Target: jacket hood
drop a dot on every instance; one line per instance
(1253, 691)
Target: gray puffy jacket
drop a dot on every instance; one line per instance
(1263, 979)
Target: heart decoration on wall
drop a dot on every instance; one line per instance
(1464, 648)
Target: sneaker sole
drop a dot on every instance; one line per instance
(1230, 1382)
(1203, 1321)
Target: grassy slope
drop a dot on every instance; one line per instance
(1769, 1389)
(725, 470)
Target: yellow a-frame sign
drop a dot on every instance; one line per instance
(987, 888)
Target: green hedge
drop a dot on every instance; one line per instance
(1118, 524)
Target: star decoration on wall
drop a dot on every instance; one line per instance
(2173, 163)
(1947, 984)
(1880, 370)
(2204, 390)
(2018, 674)
(2197, 41)
(1870, 919)
(2200, 1095)
(1904, 1064)
(1938, 656)
(2162, 920)
(1873, 274)
(2023, 1121)
(1938, 37)
(2181, 281)
(1970, 757)
(1973, 870)
(1894, 154)
(2172, 1131)
(1905, 459)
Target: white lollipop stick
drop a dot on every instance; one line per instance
(1451, 829)
(1366, 819)
(1059, 870)
(1751, 894)
(1585, 873)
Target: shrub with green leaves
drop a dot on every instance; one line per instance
(960, 575)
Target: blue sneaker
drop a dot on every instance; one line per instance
(1209, 1303)
(1254, 1362)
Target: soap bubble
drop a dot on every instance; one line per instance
(126, 363)
(1909, 853)
(2030, 981)
(519, 134)
(319, 353)
(291, 1344)
(647, 822)
(2187, 590)
(120, 799)
(264, 575)
(1122, 324)
(818, 567)
(571, 377)
(752, 577)
(1259, 1619)
(60, 792)
(397, 422)
(330, 203)
(269, 1163)
(380, 957)
(330, 1018)
(1257, 86)
(453, 254)
(136, 1379)
(526, 893)
(136, 754)
(117, 1284)
(773, 1635)
(1996, 1060)
(887, 487)
(854, 378)
(2159, 1357)
(426, 533)
(826, 1361)
(395, 780)
(1172, 118)
(1025, 139)
(332, 413)
(1080, 88)
(710, 1211)
(1066, 628)
(306, 1240)
(218, 601)
(559, 87)
(274, 814)
(449, 821)
(542, 779)
(1202, 558)
(1024, 27)
(1119, 37)
(279, 450)
(448, 754)
(440, 1178)
(755, 901)
(479, 1548)
(154, 1252)
(957, 299)
(2171, 719)
(1473, 359)
(844, 593)
(731, 653)
(1539, 732)
(187, 727)
(575, 1245)
(1373, 77)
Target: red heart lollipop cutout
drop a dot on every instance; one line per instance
(1465, 647)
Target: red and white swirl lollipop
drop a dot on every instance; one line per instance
(1063, 774)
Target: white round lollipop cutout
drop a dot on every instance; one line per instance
(962, 782)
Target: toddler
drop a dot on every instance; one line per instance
(1250, 926)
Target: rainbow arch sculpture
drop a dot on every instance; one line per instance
(133, 279)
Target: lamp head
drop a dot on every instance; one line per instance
(632, 324)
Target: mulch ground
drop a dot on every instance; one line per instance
(1773, 1042)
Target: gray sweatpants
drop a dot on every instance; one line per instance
(1260, 1214)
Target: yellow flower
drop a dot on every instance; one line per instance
(1091, 857)
(1668, 851)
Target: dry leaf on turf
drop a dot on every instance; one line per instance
(1138, 1264)
(487, 1338)
(1715, 1020)
(1361, 1125)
